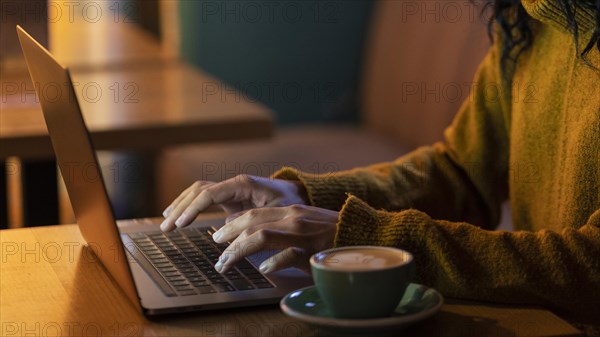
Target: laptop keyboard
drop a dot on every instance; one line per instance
(183, 263)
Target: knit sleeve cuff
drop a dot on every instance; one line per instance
(360, 224)
(324, 190)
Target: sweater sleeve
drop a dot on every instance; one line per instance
(461, 179)
(559, 270)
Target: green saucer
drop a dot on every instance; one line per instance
(418, 303)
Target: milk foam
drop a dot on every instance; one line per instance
(360, 259)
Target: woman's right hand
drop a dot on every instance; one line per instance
(234, 195)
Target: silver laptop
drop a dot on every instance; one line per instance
(159, 272)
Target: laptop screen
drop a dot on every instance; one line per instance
(77, 161)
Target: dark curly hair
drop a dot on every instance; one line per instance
(515, 26)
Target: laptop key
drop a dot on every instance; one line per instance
(211, 273)
(159, 260)
(171, 273)
(235, 277)
(167, 269)
(254, 276)
(242, 285)
(258, 280)
(216, 279)
(173, 255)
(186, 268)
(187, 292)
(162, 265)
(206, 290)
(172, 234)
(200, 284)
(224, 287)
(192, 274)
(156, 235)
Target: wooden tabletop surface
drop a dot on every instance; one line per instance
(132, 108)
(52, 285)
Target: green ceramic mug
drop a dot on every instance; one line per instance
(362, 281)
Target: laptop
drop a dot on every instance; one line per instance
(159, 272)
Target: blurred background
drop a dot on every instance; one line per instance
(344, 83)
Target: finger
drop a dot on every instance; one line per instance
(199, 185)
(245, 246)
(169, 223)
(248, 219)
(234, 189)
(234, 216)
(289, 257)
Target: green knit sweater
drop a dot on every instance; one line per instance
(532, 136)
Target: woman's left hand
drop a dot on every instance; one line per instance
(298, 230)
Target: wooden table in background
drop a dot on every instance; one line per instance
(50, 284)
(128, 109)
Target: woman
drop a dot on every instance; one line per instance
(541, 149)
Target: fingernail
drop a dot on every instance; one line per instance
(265, 267)
(181, 220)
(218, 266)
(217, 235)
(164, 225)
(167, 211)
(223, 258)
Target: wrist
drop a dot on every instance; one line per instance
(301, 192)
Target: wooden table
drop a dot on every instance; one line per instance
(50, 283)
(129, 109)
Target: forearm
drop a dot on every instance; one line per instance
(426, 179)
(560, 270)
